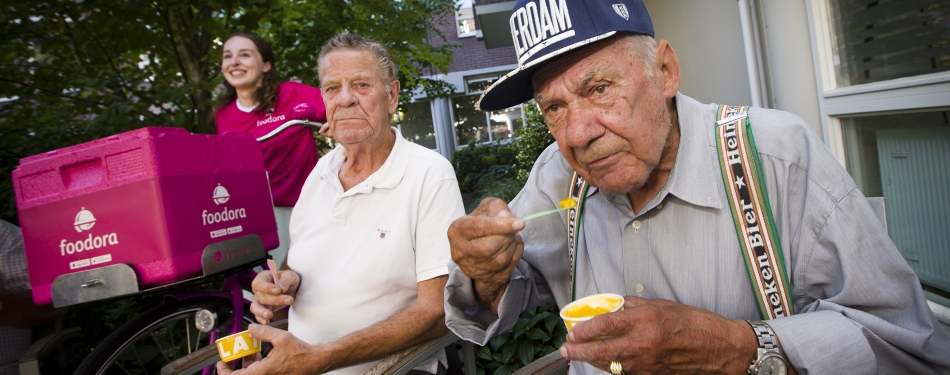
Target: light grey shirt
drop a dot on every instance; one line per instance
(859, 307)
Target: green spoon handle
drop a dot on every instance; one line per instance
(542, 213)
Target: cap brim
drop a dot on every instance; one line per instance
(515, 87)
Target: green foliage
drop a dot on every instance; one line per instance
(499, 170)
(532, 139)
(83, 70)
(537, 332)
(478, 165)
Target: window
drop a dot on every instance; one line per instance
(465, 18)
(864, 136)
(905, 158)
(504, 123)
(474, 125)
(884, 92)
(881, 40)
(415, 124)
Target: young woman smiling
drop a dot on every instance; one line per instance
(254, 101)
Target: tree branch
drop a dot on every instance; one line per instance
(123, 83)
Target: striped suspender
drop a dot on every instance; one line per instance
(578, 193)
(749, 203)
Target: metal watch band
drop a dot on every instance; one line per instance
(764, 333)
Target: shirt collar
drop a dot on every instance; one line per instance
(695, 177)
(387, 176)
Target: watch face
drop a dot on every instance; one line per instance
(772, 365)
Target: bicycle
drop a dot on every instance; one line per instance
(189, 321)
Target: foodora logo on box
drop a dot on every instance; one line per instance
(85, 220)
(221, 196)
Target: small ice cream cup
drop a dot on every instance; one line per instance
(588, 307)
(238, 345)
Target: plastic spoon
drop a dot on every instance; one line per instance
(564, 205)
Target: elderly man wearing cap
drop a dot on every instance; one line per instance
(686, 215)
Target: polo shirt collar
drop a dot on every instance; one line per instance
(387, 176)
(695, 177)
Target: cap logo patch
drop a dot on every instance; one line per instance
(622, 11)
(536, 25)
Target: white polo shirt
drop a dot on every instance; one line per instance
(361, 253)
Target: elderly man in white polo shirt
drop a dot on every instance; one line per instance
(368, 257)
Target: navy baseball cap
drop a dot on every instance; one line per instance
(545, 29)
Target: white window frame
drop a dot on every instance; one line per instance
(928, 92)
(479, 78)
(435, 129)
(455, 137)
(465, 4)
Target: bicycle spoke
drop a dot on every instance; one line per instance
(123, 368)
(197, 341)
(141, 364)
(188, 336)
(160, 348)
(170, 327)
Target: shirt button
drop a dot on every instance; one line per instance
(659, 206)
(636, 224)
(337, 195)
(639, 288)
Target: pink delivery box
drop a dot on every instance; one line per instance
(152, 199)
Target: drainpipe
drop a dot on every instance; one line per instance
(751, 54)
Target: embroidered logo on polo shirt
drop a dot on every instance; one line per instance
(383, 232)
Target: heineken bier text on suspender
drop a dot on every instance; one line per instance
(749, 204)
(577, 192)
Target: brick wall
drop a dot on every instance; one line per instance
(472, 54)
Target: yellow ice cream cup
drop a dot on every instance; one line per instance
(238, 345)
(589, 307)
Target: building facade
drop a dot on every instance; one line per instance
(454, 122)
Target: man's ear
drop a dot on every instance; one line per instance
(393, 96)
(669, 68)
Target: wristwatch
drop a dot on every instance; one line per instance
(768, 357)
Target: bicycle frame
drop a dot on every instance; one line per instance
(233, 288)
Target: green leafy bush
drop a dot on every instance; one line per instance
(501, 170)
(537, 332)
(477, 165)
(532, 139)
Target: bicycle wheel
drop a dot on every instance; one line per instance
(158, 337)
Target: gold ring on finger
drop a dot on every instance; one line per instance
(616, 368)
